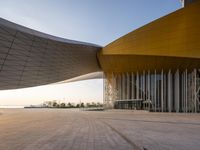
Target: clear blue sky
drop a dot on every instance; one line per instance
(94, 21)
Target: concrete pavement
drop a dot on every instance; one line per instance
(64, 129)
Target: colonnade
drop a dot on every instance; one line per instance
(159, 91)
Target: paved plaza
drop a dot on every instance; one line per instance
(64, 129)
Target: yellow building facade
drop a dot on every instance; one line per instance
(156, 67)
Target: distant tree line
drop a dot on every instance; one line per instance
(56, 104)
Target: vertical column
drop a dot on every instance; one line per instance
(111, 94)
(113, 88)
(182, 92)
(116, 87)
(137, 86)
(155, 101)
(195, 90)
(133, 86)
(192, 103)
(128, 86)
(190, 91)
(176, 89)
(158, 99)
(121, 95)
(144, 91)
(149, 92)
(104, 88)
(119, 87)
(189, 100)
(123, 87)
(162, 91)
(169, 91)
(186, 90)
(140, 86)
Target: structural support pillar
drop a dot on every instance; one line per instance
(186, 90)
(127, 86)
(162, 91)
(195, 90)
(137, 86)
(143, 91)
(149, 92)
(155, 97)
(123, 87)
(169, 91)
(133, 86)
(177, 91)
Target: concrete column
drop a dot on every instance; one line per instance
(104, 89)
(114, 85)
(119, 86)
(137, 86)
(127, 86)
(155, 101)
(123, 87)
(182, 92)
(162, 91)
(133, 86)
(169, 91)
(177, 91)
(144, 91)
(149, 92)
(195, 90)
(186, 90)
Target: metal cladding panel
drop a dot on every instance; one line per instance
(172, 41)
(30, 58)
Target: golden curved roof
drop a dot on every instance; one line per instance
(170, 42)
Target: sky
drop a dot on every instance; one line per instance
(94, 21)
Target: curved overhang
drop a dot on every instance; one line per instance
(31, 58)
(171, 42)
(93, 75)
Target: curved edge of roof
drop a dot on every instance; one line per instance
(141, 27)
(21, 28)
(89, 76)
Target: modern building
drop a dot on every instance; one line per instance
(156, 67)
